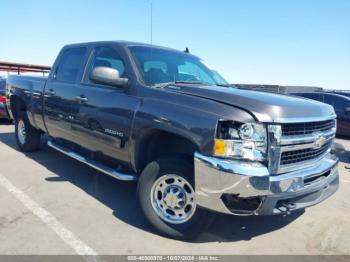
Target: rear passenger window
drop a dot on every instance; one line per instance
(71, 62)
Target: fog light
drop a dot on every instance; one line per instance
(241, 205)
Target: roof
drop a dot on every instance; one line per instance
(126, 44)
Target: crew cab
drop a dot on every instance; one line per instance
(166, 119)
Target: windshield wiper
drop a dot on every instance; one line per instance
(225, 85)
(176, 83)
(163, 85)
(192, 82)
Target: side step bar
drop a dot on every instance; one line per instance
(96, 165)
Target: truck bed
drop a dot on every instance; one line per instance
(25, 82)
(31, 89)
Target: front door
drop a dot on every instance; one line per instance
(104, 116)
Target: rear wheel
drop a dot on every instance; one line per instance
(167, 198)
(27, 137)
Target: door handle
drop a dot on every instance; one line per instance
(81, 99)
(50, 92)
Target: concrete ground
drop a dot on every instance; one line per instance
(51, 204)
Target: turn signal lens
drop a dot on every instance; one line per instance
(223, 147)
(219, 147)
(3, 99)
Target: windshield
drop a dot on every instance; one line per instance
(159, 66)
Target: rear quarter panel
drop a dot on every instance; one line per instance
(30, 90)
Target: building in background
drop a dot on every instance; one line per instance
(7, 68)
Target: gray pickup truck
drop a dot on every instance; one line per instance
(194, 143)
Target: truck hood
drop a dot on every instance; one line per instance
(265, 107)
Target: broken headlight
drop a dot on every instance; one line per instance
(242, 141)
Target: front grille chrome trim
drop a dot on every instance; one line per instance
(302, 165)
(299, 129)
(290, 143)
(303, 119)
(299, 146)
(299, 139)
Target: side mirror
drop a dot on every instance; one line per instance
(347, 109)
(107, 76)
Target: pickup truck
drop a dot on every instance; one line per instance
(196, 145)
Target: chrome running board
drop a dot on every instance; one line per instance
(96, 165)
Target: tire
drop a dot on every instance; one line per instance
(197, 219)
(27, 137)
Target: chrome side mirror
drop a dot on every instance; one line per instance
(107, 76)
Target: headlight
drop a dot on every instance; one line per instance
(246, 131)
(241, 141)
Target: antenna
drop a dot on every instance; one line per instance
(151, 38)
(151, 23)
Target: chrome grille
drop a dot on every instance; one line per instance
(302, 155)
(292, 129)
(299, 145)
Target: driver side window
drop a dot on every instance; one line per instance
(106, 57)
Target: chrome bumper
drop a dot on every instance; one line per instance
(216, 179)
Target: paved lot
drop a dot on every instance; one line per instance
(51, 204)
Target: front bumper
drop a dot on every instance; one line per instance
(246, 188)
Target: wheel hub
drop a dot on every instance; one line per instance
(172, 198)
(175, 197)
(21, 133)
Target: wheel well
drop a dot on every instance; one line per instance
(161, 143)
(17, 105)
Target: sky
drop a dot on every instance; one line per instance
(284, 42)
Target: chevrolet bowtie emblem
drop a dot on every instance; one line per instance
(319, 142)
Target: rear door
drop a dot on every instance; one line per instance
(61, 91)
(105, 113)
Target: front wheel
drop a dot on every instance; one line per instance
(167, 198)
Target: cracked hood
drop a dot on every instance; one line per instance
(266, 107)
